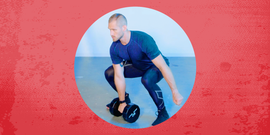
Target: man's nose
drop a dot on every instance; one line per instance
(111, 33)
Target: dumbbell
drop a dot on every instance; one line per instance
(130, 114)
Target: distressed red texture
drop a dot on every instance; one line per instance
(38, 42)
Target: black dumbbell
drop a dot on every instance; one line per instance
(130, 114)
(114, 107)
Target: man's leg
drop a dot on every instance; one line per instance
(150, 79)
(109, 75)
(129, 72)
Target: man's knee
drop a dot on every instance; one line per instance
(146, 82)
(109, 73)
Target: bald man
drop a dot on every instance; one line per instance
(135, 54)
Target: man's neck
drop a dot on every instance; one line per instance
(125, 39)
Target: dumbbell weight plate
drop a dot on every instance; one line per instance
(131, 113)
(114, 107)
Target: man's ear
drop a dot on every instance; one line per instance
(124, 27)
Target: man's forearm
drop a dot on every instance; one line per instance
(120, 86)
(166, 72)
(168, 76)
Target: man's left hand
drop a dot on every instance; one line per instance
(177, 97)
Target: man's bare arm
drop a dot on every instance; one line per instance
(168, 76)
(120, 84)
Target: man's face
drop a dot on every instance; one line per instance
(116, 31)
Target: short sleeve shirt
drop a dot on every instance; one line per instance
(140, 50)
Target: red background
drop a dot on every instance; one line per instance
(38, 42)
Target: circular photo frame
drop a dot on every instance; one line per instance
(93, 58)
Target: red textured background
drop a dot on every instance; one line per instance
(38, 42)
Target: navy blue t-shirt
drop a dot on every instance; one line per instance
(140, 50)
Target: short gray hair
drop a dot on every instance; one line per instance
(121, 19)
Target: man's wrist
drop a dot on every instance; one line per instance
(121, 102)
(175, 91)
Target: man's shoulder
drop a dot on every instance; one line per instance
(140, 34)
(141, 37)
(143, 40)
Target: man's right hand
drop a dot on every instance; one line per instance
(122, 107)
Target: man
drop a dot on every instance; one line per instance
(135, 54)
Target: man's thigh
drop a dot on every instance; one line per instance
(131, 72)
(152, 75)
